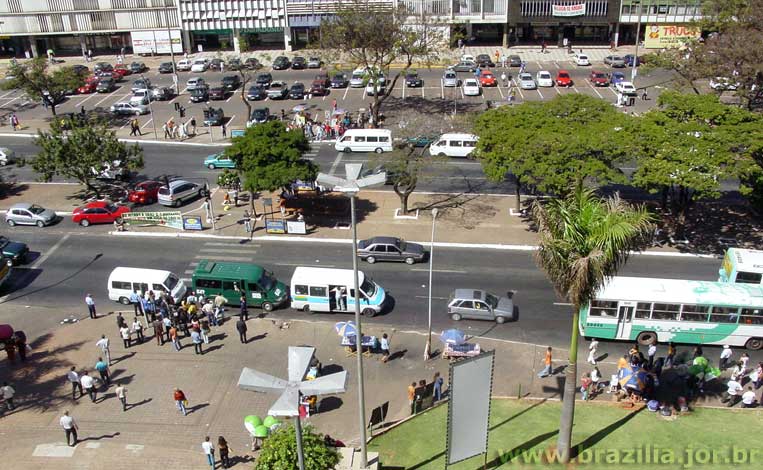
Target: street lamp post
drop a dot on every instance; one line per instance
(150, 108)
(428, 349)
(635, 54)
(176, 89)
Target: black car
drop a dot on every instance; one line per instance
(483, 60)
(281, 63)
(390, 249)
(340, 80)
(218, 93)
(103, 67)
(264, 79)
(80, 69)
(260, 115)
(106, 85)
(252, 64)
(412, 80)
(213, 117)
(231, 82)
(137, 67)
(297, 91)
(215, 64)
(256, 92)
(234, 64)
(199, 95)
(14, 253)
(299, 63)
(515, 61)
(165, 67)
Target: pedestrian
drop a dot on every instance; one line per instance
(697, 352)
(7, 392)
(14, 121)
(135, 127)
(544, 47)
(651, 352)
(90, 305)
(137, 327)
(437, 386)
(204, 330)
(748, 398)
(125, 333)
(88, 385)
(725, 358)
(644, 94)
(121, 392)
(197, 342)
(89, 55)
(244, 310)
(504, 79)
(167, 324)
(592, 350)
(744, 360)
(512, 95)
(70, 428)
(73, 377)
(158, 332)
(585, 385)
(19, 338)
(733, 393)
(173, 333)
(135, 300)
(757, 376)
(103, 370)
(121, 323)
(497, 56)
(103, 344)
(220, 303)
(180, 400)
(225, 130)
(548, 364)
(671, 355)
(209, 451)
(241, 328)
(193, 125)
(166, 129)
(412, 396)
(737, 373)
(421, 391)
(384, 345)
(222, 444)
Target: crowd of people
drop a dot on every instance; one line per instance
(422, 395)
(333, 125)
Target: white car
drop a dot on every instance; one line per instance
(200, 65)
(626, 88)
(581, 59)
(526, 82)
(129, 109)
(183, 65)
(377, 87)
(195, 83)
(467, 58)
(7, 156)
(723, 83)
(358, 78)
(544, 79)
(471, 87)
(141, 97)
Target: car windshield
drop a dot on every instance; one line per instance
(111, 208)
(600, 75)
(3, 241)
(171, 282)
(564, 75)
(491, 300)
(267, 282)
(368, 287)
(35, 209)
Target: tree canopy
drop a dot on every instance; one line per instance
(279, 451)
(37, 80)
(548, 145)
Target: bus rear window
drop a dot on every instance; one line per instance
(748, 278)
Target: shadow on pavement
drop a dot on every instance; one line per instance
(596, 437)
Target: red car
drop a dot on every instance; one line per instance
(145, 192)
(488, 79)
(563, 78)
(318, 88)
(87, 88)
(122, 69)
(115, 75)
(598, 78)
(98, 212)
(92, 79)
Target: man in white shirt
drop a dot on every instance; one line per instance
(90, 305)
(726, 354)
(103, 343)
(121, 392)
(748, 398)
(209, 450)
(125, 332)
(73, 377)
(651, 352)
(70, 428)
(7, 393)
(88, 384)
(592, 350)
(733, 393)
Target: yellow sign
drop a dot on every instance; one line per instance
(661, 36)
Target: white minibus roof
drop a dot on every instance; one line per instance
(750, 261)
(458, 136)
(122, 273)
(367, 132)
(325, 276)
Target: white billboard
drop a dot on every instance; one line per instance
(146, 42)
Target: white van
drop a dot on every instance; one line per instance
(123, 281)
(365, 140)
(332, 290)
(454, 145)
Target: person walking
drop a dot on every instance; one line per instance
(220, 303)
(167, 324)
(137, 327)
(15, 122)
(418, 399)
(204, 330)
(90, 305)
(124, 332)
(7, 392)
(121, 392)
(88, 385)
(248, 224)
(180, 400)
(73, 377)
(592, 350)
(197, 342)
(548, 361)
(437, 386)
(209, 451)
(135, 300)
(70, 428)
(412, 397)
(651, 352)
(103, 370)
(585, 385)
(670, 359)
(103, 344)
(193, 125)
(158, 332)
(19, 339)
(225, 130)
(725, 358)
(504, 79)
(173, 332)
(644, 94)
(244, 312)
(241, 328)
(384, 345)
(134, 126)
(224, 448)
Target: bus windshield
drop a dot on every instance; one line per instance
(368, 287)
(171, 282)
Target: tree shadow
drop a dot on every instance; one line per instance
(558, 390)
(10, 189)
(518, 414)
(596, 437)
(506, 457)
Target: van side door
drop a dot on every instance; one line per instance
(254, 293)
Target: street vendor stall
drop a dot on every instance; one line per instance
(455, 345)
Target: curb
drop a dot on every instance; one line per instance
(134, 141)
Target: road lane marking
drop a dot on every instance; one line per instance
(433, 297)
(230, 120)
(556, 88)
(499, 91)
(47, 254)
(539, 93)
(147, 123)
(564, 304)
(336, 163)
(12, 91)
(226, 250)
(307, 265)
(453, 271)
(228, 244)
(228, 258)
(105, 98)
(346, 90)
(595, 90)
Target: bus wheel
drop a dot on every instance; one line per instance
(306, 309)
(369, 312)
(754, 344)
(268, 307)
(646, 338)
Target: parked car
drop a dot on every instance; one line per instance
(219, 160)
(87, 88)
(129, 109)
(465, 66)
(256, 92)
(98, 212)
(213, 117)
(581, 59)
(626, 88)
(450, 79)
(526, 82)
(297, 91)
(145, 192)
(412, 80)
(616, 77)
(422, 140)
(103, 66)
(200, 95)
(184, 65)
(215, 64)
(252, 63)
(281, 63)
(376, 87)
(234, 64)
(723, 83)
(13, 253)
(80, 69)
(480, 305)
(390, 249)
(200, 65)
(563, 78)
(122, 70)
(259, 115)
(23, 213)
(137, 67)
(231, 82)
(598, 78)
(162, 93)
(264, 79)
(488, 79)
(165, 67)
(140, 97)
(314, 63)
(339, 80)
(358, 78)
(106, 85)
(278, 90)
(318, 88)
(515, 61)
(471, 87)
(484, 60)
(194, 83)
(178, 192)
(140, 84)
(323, 77)
(7, 156)
(218, 93)
(298, 63)
(629, 58)
(614, 61)
(543, 79)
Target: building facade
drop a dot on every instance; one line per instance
(662, 22)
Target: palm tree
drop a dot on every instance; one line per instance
(584, 239)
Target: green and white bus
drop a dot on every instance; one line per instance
(742, 266)
(692, 312)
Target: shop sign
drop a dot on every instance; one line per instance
(575, 9)
(275, 226)
(201, 32)
(271, 29)
(192, 222)
(237, 132)
(295, 226)
(660, 36)
(172, 219)
(146, 42)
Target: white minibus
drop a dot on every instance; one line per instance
(365, 140)
(453, 145)
(332, 290)
(123, 281)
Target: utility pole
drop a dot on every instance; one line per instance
(428, 349)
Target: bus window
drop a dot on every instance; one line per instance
(748, 278)
(693, 312)
(643, 309)
(318, 291)
(724, 315)
(300, 290)
(667, 312)
(229, 285)
(253, 287)
(752, 316)
(603, 308)
(209, 283)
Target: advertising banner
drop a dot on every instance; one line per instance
(144, 42)
(575, 9)
(275, 226)
(295, 226)
(172, 219)
(661, 36)
(192, 222)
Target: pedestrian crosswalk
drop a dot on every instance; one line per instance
(221, 251)
(311, 154)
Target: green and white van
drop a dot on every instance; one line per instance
(231, 280)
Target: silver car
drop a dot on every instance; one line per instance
(450, 79)
(178, 192)
(29, 214)
(614, 61)
(526, 82)
(480, 305)
(195, 83)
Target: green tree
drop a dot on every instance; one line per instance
(270, 157)
(584, 240)
(548, 145)
(80, 153)
(690, 144)
(279, 451)
(39, 82)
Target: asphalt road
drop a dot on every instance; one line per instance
(69, 265)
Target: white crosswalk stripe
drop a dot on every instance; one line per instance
(226, 258)
(225, 250)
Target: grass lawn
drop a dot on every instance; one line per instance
(608, 437)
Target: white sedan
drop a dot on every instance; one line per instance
(626, 88)
(581, 59)
(129, 109)
(544, 79)
(471, 87)
(526, 82)
(200, 65)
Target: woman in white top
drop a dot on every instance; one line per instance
(592, 349)
(125, 333)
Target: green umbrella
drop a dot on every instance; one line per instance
(251, 422)
(269, 421)
(261, 431)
